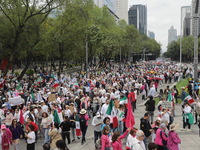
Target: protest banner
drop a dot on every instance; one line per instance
(15, 100)
(167, 105)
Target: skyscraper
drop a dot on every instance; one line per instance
(172, 35)
(111, 5)
(186, 20)
(137, 15)
(151, 35)
(193, 19)
(122, 9)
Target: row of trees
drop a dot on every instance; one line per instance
(173, 49)
(28, 33)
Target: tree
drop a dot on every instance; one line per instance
(20, 14)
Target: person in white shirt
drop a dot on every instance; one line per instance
(30, 138)
(44, 107)
(104, 108)
(152, 91)
(186, 116)
(137, 142)
(67, 111)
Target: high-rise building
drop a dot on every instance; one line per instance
(151, 35)
(195, 17)
(186, 20)
(111, 4)
(172, 35)
(122, 9)
(137, 15)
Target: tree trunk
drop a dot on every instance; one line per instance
(61, 50)
(11, 58)
(28, 61)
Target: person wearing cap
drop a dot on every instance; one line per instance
(161, 138)
(173, 138)
(97, 121)
(6, 137)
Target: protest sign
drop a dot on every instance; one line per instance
(15, 101)
(167, 105)
(52, 97)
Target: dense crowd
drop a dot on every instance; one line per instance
(56, 107)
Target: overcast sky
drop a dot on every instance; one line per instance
(161, 15)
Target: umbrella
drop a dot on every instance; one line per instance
(157, 78)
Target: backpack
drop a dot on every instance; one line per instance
(82, 121)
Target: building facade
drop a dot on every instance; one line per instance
(172, 35)
(186, 21)
(151, 35)
(122, 9)
(195, 16)
(137, 15)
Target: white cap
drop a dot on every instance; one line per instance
(4, 105)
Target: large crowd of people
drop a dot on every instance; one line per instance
(58, 108)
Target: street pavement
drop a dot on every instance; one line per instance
(190, 140)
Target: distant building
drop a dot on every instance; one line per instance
(151, 35)
(122, 9)
(186, 21)
(198, 15)
(172, 35)
(111, 4)
(137, 15)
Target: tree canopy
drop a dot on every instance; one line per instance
(58, 30)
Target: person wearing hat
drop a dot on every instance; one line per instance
(97, 122)
(173, 138)
(83, 124)
(6, 137)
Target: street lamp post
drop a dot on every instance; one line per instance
(181, 40)
(196, 19)
(196, 25)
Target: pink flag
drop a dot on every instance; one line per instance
(130, 119)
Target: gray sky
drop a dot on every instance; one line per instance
(161, 15)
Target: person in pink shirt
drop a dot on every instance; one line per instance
(105, 141)
(161, 137)
(116, 139)
(173, 139)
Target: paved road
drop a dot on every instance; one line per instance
(190, 139)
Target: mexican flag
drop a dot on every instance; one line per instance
(110, 107)
(189, 99)
(123, 100)
(56, 117)
(32, 96)
(78, 130)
